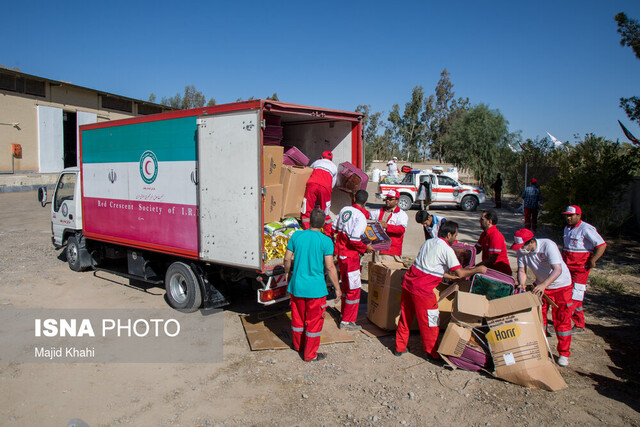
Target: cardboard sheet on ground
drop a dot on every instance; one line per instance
(273, 331)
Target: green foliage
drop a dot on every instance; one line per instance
(273, 97)
(538, 158)
(593, 175)
(409, 128)
(441, 111)
(152, 97)
(607, 284)
(477, 141)
(192, 98)
(629, 30)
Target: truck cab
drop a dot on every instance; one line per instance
(440, 187)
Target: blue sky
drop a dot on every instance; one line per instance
(548, 66)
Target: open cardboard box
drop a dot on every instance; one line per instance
(516, 338)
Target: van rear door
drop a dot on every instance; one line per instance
(229, 189)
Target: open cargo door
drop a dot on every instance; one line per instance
(229, 182)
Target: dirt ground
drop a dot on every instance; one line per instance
(360, 383)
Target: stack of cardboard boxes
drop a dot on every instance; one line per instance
(284, 185)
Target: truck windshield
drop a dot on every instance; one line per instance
(65, 189)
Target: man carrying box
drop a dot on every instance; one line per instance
(349, 227)
(307, 285)
(492, 244)
(394, 221)
(552, 279)
(434, 259)
(318, 190)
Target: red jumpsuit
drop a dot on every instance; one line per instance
(579, 243)
(307, 312)
(396, 227)
(350, 225)
(492, 242)
(434, 258)
(318, 192)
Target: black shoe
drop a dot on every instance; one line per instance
(319, 357)
(400, 353)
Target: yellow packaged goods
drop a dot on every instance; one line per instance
(275, 247)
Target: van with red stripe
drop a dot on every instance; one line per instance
(442, 189)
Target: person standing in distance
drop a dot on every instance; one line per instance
(531, 197)
(313, 252)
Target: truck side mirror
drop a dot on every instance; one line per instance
(42, 196)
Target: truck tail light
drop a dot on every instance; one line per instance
(267, 295)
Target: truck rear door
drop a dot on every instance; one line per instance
(230, 189)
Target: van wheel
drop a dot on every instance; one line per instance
(469, 203)
(405, 202)
(73, 254)
(183, 288)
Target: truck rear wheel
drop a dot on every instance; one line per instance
(183, 288)
(469, 203)
(405, 202)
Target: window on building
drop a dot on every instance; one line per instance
(149, 109)
(113, 103)
(22, 85)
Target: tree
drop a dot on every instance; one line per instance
(376, 145)
(273, 97)
(212, 101)
(629, 30)
(192, 98)
(476, 141)
(152, 97)
(408, 128)
(441, 112)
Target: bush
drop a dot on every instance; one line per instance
(593, 175)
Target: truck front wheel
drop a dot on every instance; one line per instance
(405, 202)
(183, 288)
(74, 250)
(469, 203)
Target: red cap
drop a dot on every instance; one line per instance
(327, 155)
(572, 210)
(392, 194)
(521, 237)
(534, 181)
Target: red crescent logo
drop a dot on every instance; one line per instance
(145, 167)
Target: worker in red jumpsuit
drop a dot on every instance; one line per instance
(318, 190)
(350, 225)
(543, 257)
(394, 221)
(435, 259)
(313, 253)
(583, 246)
(492, 244)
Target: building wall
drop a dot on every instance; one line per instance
(22, 109)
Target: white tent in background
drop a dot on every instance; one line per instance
(556, 142)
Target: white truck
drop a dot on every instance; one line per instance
(440, 187)
(181, 198)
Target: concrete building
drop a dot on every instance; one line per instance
(43, 115)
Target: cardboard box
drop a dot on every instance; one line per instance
(385, 287)
(294, 182)
(272, 203)
(516, 338)
(384, 299)
(271, 164)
